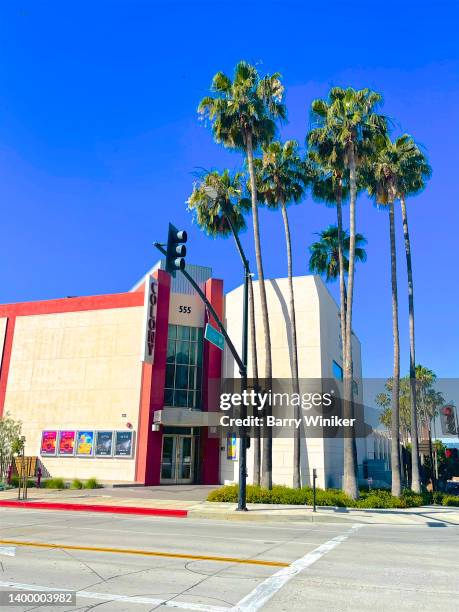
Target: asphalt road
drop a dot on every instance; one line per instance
(127, 563)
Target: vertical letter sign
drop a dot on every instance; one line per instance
(149, 323)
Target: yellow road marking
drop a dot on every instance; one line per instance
(148, 553)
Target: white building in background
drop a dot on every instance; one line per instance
(319, 357)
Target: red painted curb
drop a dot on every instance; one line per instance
(95, 508)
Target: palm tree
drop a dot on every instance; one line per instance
(219, 206)
(324, 258)
(329, 258)
(382, 180)
(281, 179)
(349, 117)
(330, 185)
(243, 113)
(429, 401)
(414, 172)
(327, 161)
(401, 168)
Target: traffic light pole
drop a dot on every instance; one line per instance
(242, 363)
(242, 495)
(197, 288)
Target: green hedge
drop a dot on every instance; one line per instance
(445, 499)
(53, 483)
(15, 482)
(376, 498)
(60, 483)
(450, 500)
(92, 483)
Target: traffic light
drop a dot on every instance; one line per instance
(448, 420)
(176, 250)
(451, 453)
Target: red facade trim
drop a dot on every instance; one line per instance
(31, 505)
(212, 357)
(5, 360)
(210, 442)
(77, 304)
(149, 445)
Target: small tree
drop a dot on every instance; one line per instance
(10, 436)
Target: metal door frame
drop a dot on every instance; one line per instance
(177, 462)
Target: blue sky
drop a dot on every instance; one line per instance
(99, 140)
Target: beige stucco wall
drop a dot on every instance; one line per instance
(318, 340)
(78, 370)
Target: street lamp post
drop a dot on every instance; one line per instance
(242, 495)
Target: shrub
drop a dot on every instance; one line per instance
(92, 483)
(332, 497)
(54, 483)
(414, 500)
(76, 484)
(15, 482)
(227, 493)
(377, 498)
(280, 494)
(450, 500)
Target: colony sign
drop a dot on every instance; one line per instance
(149, 321)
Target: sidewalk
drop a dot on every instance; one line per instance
(201, 509)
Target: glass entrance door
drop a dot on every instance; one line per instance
(177, 464)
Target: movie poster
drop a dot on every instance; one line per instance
(104, 444)
(85, 443)
(48, 443)
(123, 444)
(66, 443)
(231, 446)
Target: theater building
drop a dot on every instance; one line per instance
(117, 386)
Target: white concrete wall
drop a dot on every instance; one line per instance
(319, 343)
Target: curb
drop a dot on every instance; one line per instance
(95, 508)
(266, 518)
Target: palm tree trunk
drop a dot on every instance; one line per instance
(267, 471)
(342, 284)
(415, 471)
(350, 475)
(253, 350)
(395, 423)
(296, 384)
(342, 291)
